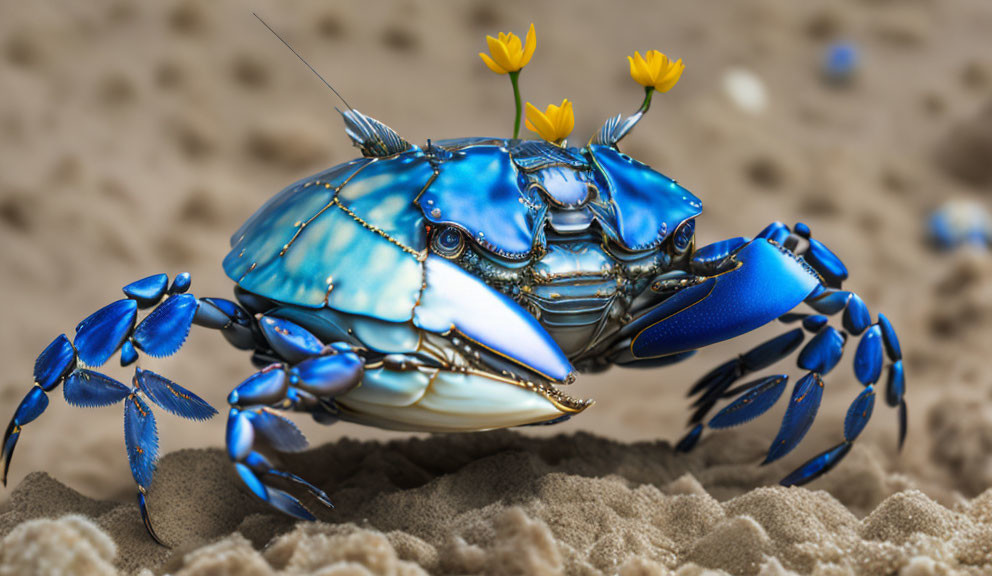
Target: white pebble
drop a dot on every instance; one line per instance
(745, 90)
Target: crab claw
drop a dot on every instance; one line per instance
(511, 380)
(452, 400)
(767, 282)
(454, 301)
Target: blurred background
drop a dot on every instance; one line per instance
(136, 137)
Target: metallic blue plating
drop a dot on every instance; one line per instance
(823, 352)
(54, 363)
(148, 291)
(101, 335)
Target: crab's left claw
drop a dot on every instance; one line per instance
(776, 283)
(766, 282)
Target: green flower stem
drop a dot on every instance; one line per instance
(648, 92)
(514, 76)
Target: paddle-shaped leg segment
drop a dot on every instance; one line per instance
(116, 328)
(309, 383)
(818, 357)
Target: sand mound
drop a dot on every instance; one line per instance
(64, 547)
(504, 503)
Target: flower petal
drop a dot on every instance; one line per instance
(538, 122)
(498, 51)
(492, 64)
(515, 48)
(529, 45)
(658, 65)
(633, 71)
(566, 120)
(553, 114)
(651, 62)
(642, 70)
(671, 78)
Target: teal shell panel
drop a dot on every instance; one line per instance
(351, 239)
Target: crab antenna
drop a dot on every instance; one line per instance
(293, 50)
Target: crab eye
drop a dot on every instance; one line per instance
(683, 236)
(448, 242)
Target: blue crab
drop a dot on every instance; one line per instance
(460, 286)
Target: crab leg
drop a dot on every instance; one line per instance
(818, 357)
(313, 375)
(115, 328)
(868, 369)
(243, 427)
(714, 385)
(54, 363)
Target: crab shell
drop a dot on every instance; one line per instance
(345, 253)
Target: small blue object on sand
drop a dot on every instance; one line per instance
(959, 223)
(840, 62)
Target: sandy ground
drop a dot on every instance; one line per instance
(134, 138)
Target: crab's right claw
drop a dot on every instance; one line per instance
(456, 302)
(767, 282)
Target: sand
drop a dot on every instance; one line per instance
(504, 503)
(135, 137)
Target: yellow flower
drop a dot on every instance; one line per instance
(554, 124)
(656, 71)
(508, 54)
